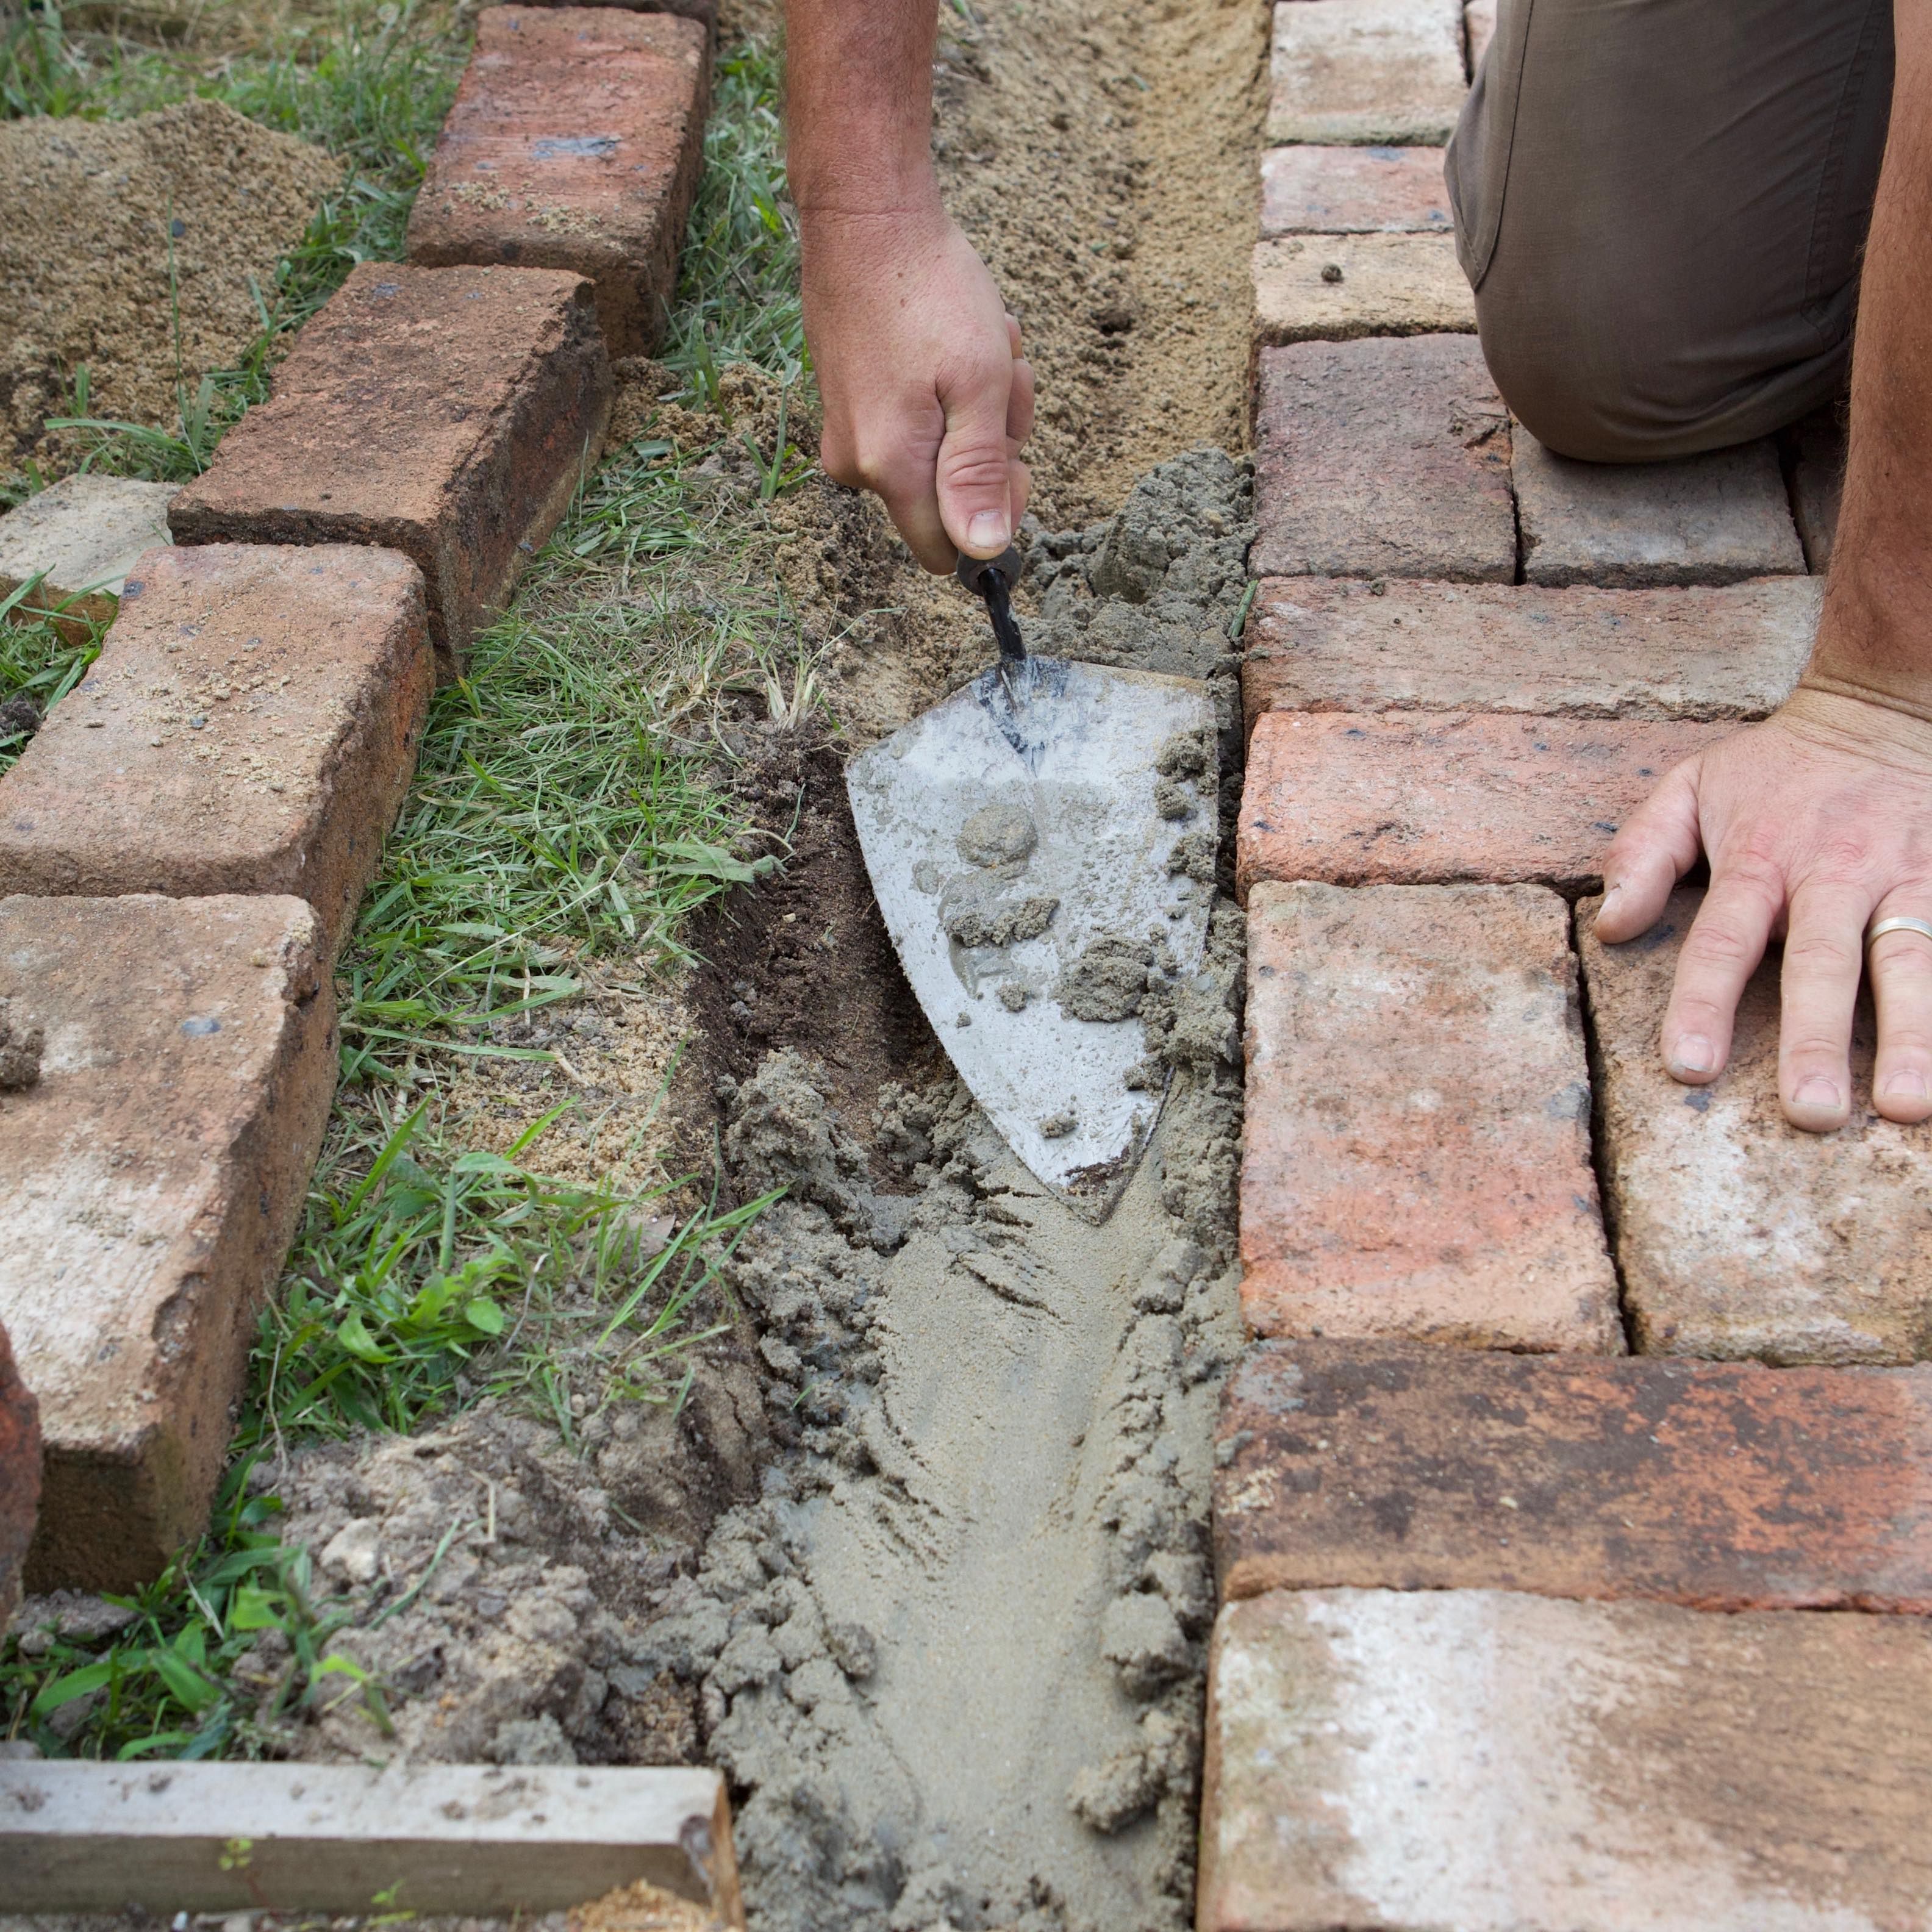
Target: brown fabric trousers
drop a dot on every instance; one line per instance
(1660, 205)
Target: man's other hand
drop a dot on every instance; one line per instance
(1817, 822)
(927, 396)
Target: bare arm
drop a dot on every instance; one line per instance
(927, 395)
(1819, 821)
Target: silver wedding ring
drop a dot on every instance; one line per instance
(1923, 927)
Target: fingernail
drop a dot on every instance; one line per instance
(1907, 1086)
(1694, 1054)
(1815, 1090)
(987, 531)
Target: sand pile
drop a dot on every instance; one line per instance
(85, 251)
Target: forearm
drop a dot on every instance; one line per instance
(1876, 638)
(858, 108)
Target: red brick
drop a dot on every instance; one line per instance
(1717, 1486)
(19, 1475)
(1738, 1235)
(1495, 1761)
(1356, 72)
(448, 413)
(80, 537)
(1333, 644)
(1415, 799)
(703, 11)
(1417, 1157)
(250, 726)
(575, 142)
(1387, 458)
(1479, 24)
(153, 1175)
(1311, 190)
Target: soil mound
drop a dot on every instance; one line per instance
(84, 258)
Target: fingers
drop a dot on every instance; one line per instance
(1726, 942)
(974, 474)
(1901, 967)
(1652, 852)
(1823, 961)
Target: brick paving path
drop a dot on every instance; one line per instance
(236, 755)
(1520, 1630)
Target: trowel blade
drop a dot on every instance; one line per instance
(1023, 810)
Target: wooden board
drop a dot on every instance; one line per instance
(82, 1837)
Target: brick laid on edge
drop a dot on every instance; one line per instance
(1332, 288)
(250, 726)
(1417, 1161)
(153, 1175)
(1319, 190)
(448, 413)
(1334, 644)
(703, 11)
(1388, 457)
(574, 142)
(1716, 518)
(1501, 1762)
(19, 1471)
(1413, 798)
(1715, 1485)
(1738, 1235)
(1366, 73)
(81, 536)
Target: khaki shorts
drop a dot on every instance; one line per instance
(1660, 205)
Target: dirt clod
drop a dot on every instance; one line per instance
(21, 1045)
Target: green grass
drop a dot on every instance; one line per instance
(566, 820)
(37, 660)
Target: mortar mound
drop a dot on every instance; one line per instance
(95, 210)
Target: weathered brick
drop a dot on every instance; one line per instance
(153, 1174)
(250, 726)
(1715, 518)
(1479, 26)
(19, 1475)
(1715, 1485)
(81, 535)
(1370, 73)
(574, 142)
(1382, 458)
(1416, 1160)
(1501, 1762)
(1334, 644)
(1428, 799)
(1320, 190)
(704, 11)
(1738, 1235)
(1815, 444)
(448, 413)
(1335, 287)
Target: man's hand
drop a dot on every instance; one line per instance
(1817, 822)
(928, 396)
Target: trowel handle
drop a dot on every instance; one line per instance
(993, 578)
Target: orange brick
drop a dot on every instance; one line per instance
(250, 726)
(1718, 1485)
(1738, 1235)
(1417, 1161)
(1388, 457)
(447, 413)
(1322, 643)
(1410, 799)
(1495, 1761)
(154, 1175)
(1311, 190)
(19, 1477)
(574, 142)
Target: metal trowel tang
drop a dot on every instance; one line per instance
(1011, 831)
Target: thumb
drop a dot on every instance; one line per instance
(975, 467)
